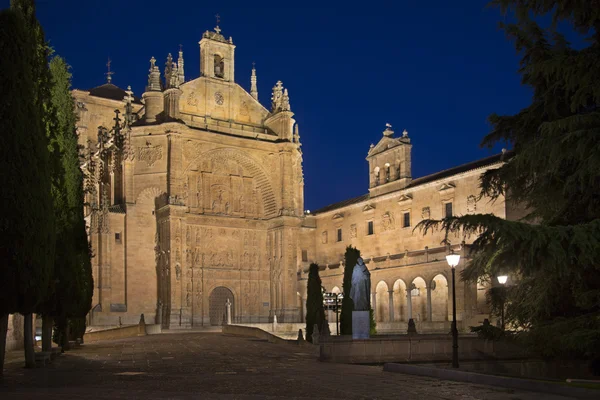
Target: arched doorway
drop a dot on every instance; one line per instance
(217, 305)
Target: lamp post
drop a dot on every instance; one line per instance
(502, 280)
(453, 260)
(332, 301)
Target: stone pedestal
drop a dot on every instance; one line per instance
(361, 325)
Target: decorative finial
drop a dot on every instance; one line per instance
(180, 48)
(109, 74)
(217, 29)
(253, 86)
(152, 63)
(388, 130)
(405, 133)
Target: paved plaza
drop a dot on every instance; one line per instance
(217, 366)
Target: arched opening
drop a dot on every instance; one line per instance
(439, 298)
(400, 311)
(382, 301)
(220, 300)
(219, 66)
(376, 173)
(418, 296)
(336, 290)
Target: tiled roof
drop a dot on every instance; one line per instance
(111, 92)
(341, 204)
(426, 179)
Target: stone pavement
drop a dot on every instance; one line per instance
(217, 366)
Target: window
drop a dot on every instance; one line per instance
(118, 237)
(339, 234)
(448, 209)
(304, 255)
(370, 228)
(406, 220)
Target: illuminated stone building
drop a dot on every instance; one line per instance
(195, 195)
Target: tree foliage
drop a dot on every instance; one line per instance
(554, 251)
(350, 258)
(27, 221)
(315, 314)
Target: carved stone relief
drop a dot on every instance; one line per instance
(324, 237)
(388, 221)
(353, 231)
(426, 213)
(471, 204)
(150, 154)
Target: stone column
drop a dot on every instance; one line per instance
(391, 303)
(409, 304)
(429, 310)
(374, 304)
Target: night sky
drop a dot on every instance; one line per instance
(436, 68)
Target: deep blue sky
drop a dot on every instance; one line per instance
(436, 68)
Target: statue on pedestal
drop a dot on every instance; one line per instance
(360, 293)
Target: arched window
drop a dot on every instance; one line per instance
(376, 172)
(219, 66)
(387, 172)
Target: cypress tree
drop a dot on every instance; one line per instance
(315, 313)
(350, 258)
(73, 287)
(26, 217)
(554, 251)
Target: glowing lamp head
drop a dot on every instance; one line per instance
(453, 259)
(502, 279)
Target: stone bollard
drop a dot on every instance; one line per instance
(300, 336)
(412, 328)
(315, 334)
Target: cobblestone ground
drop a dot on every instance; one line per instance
(217, 366)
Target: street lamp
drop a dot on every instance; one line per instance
(453, 260)
(502, 280)
(333, 301)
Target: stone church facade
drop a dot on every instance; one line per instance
(195, 197)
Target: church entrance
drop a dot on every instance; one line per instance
(217, 304)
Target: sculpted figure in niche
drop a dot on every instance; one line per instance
(360, 293)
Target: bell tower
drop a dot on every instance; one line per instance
(217, 55)
(389, 163)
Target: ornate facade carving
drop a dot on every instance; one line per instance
(471, 204)
(388, 222)
(425, 213)
(150, 154)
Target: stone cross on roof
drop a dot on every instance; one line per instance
(110, 73)
(217, 29)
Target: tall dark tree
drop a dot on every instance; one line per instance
(350, 258)
(26, 217)
(71, 297)
(554, 251)
(315, 313)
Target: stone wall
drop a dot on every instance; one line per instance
(417, 348)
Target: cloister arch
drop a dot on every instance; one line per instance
(400, 309)
(382, 302)
(418, 296)
(439, 298)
